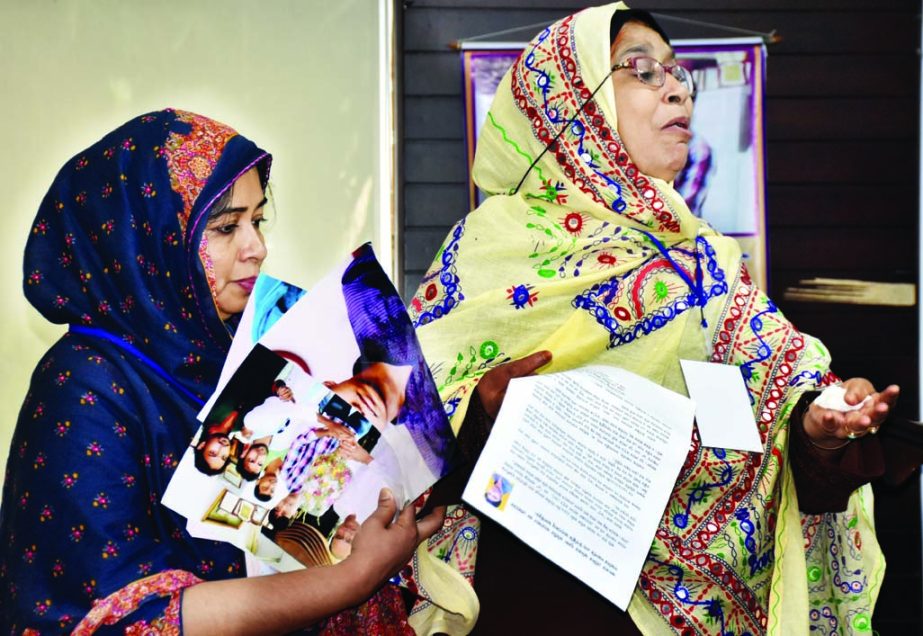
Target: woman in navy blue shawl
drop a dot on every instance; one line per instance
(116, 253)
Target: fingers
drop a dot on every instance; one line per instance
(492, 387)
(429, 524)
(890, 395)
(528, 365)
(374, 403)
(856, 390)
(407, 518)
(878, 408)
(831, 422)
(856, 424)
(866, 420)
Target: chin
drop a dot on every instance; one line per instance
(675, 168)
(233, 307)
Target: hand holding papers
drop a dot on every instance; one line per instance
(580, 466)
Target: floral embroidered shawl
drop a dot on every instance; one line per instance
(571, 263)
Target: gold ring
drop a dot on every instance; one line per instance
(850, 434)
(873, 430)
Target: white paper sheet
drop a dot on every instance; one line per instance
(723, 412)
(580, 466)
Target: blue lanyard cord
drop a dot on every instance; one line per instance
(130, 348)
(697, 287)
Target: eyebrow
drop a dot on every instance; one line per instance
(241, 209)
(638, 48)
(645, 50)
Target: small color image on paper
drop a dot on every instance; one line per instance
(498, 491)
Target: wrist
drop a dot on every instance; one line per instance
(362, 580)
(821, 439)
(829, 446)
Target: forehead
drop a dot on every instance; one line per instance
(247, 189)
(637, 39)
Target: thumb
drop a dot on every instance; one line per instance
(384, 513)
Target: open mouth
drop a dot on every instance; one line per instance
(679, 122)
(679, 128)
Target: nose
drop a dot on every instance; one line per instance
(253, 245)
(675, 92)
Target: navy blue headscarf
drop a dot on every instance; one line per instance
(115, 243)
(114, 252)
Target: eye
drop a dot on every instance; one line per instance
(226, 229)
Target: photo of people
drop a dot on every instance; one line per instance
(334, 403)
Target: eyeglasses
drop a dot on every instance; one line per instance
(651, 72)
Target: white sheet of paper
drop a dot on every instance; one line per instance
(722, 406)
(580, 465)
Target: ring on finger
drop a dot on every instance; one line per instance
(873, 430)
(850, 434)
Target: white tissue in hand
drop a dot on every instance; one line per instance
(833, 398)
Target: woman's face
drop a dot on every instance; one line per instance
(216, 450)
(235, 245)
(652, 122)
(267, 484)
(254, 458)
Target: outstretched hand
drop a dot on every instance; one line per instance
(830, 429)
(386, 540)
(493, 384)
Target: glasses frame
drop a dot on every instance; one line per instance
(632, 64)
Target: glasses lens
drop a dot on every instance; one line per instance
(649, 71)
(684, 77)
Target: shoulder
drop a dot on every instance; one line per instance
(78, 388)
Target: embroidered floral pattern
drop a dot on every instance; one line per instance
(440, 291)
(192, 157)
(119, 604)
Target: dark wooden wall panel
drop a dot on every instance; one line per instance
(842, 142)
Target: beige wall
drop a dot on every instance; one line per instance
(299, 77)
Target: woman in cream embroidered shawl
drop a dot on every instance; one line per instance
(593, 256)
